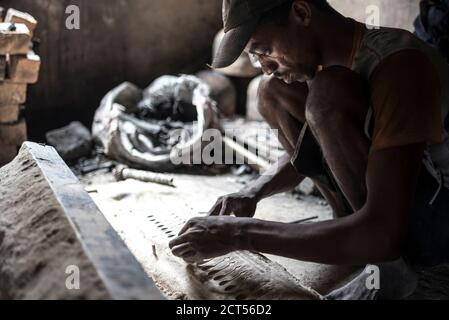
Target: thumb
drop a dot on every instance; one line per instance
(215, 211)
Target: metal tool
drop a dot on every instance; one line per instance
(123, 173)
(305, 220)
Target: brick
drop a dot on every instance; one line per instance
(12, 93)
(13, 134)
(9, 113)
(16, 16)
(7, 153)
(72, 142)
(16, 41)
(2, 68)
(24, 68)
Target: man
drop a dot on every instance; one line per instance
(362, 111)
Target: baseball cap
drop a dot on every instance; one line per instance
(240, 19)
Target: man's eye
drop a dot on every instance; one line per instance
(254, 57)
(255, 60)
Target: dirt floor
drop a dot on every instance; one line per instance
(127, 203)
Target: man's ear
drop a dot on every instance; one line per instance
(301, 12)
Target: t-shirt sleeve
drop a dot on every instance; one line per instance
(406, 98)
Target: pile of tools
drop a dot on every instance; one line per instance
(19, 67)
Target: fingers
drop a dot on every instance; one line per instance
(186, 252)
(224, 209)
(221, 208)
(183, 250)
(186, 227)
(179, 240)
(215, 210)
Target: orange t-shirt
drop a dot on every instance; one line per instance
(406, 101)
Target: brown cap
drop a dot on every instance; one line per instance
(240, 19)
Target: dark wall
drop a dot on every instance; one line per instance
(396, 13)
(119, 40)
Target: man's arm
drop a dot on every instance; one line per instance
(279, 178)
(374, 234)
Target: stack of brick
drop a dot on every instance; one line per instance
(19, 67)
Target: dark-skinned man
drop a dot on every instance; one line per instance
(360, 110)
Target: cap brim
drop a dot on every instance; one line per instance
(233, 44)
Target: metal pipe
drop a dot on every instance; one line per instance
(123, 173)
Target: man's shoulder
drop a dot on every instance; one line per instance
(405, 63)
(382, 45)
(385, 39)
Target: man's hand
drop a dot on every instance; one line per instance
(205, 238)
(240, 204)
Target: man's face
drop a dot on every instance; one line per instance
(288, 52)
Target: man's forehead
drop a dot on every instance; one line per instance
(262, 37)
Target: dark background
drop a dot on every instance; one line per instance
(119, 40)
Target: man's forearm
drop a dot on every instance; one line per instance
(345, 241)
(373, 234)
(279, 178)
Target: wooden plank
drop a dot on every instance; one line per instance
(24, 68)
(194, 197)
(258, 278)
(117, 267)
(14, 39)
(41, 247)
